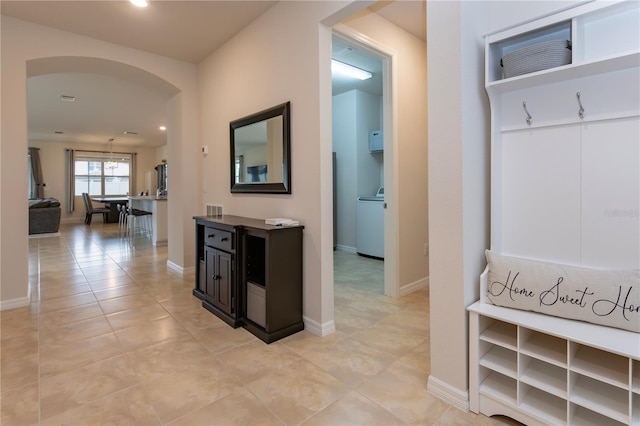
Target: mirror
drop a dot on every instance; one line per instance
(260, 152)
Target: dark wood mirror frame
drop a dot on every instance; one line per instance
(283, 187)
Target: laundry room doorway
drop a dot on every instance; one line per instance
(362, 134)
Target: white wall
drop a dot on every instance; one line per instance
(22, 44)
(459, 171)
(52, 157)
(358, 171)
(367, 117)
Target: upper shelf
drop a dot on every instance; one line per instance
(603, 35)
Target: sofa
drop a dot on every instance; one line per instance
(44, 215)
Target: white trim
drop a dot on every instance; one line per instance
(317, 328)
(180, 269)
(346, 249)
(15, 303)
(416, 285)
(449, 394)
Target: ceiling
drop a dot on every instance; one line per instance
(106, 107)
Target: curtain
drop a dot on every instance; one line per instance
(70, 180)
(37, 190)
(133, 174)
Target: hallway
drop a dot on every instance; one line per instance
(114, 337)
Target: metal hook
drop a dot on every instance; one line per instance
(581, 110)
(529, 119)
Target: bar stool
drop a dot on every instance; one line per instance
(122, 217)
(133, 215)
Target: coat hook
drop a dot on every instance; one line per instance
(581, 110)
(529, 119)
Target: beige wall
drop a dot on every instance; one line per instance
(23, 42)
(274, 60)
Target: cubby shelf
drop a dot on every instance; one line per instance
(567, 382)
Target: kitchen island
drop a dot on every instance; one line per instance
(158, 208)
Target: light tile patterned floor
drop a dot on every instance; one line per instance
(114, 337)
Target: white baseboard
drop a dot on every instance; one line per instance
(314, 327)
(180, 269)
(449, 394)
(14, 303)
(416, 285)
(347, 249)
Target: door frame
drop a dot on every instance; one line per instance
(389, 108)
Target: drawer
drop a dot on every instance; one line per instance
(218, 238)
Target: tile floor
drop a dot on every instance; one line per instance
(114, 337)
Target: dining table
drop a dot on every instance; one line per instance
(112, 202)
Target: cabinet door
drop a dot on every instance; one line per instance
(220, 279)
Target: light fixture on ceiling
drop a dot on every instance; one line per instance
(127, 132)
(139, 3)
(349, 70)
(111, 164)
(67, 98)
(163, 128)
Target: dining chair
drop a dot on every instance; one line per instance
(90, 210)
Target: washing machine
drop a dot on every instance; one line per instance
(370, 225)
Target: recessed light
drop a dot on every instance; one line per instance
(67, 98)
(139, 3)
(163, 128)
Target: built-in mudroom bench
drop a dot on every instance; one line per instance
(249, 274)
(555, 335)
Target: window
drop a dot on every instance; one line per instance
(102, 174)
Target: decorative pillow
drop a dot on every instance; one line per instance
(605, 297)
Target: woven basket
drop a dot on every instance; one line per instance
(536, 57)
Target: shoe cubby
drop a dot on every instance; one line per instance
(600, 397)
(542, 375)
(499, 387)
(549, 408)
(544, 347)
(600, 365)
(539, 369)
(499, 333)
(581, 416)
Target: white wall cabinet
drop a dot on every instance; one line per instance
(565, 188)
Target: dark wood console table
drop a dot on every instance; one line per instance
(249, 274)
